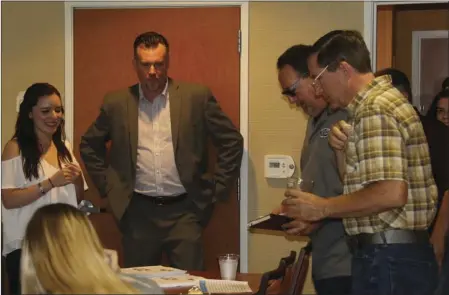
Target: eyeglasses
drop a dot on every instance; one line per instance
(315, 81)
(291, 91)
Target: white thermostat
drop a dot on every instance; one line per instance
(279, 166)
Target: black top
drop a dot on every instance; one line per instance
(438, 139)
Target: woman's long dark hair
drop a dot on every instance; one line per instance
(432, 112)
(25, 134)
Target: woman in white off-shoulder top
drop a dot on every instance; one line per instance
(38, 168)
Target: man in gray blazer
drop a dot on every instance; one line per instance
(155, 171)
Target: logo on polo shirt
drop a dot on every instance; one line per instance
(324, 132)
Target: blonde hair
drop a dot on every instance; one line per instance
(61, 254)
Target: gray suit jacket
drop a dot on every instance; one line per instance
(195, 116)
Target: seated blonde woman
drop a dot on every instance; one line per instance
(61, 254)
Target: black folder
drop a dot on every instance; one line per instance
(270, 222)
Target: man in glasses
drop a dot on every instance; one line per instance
(331, 257)
(389, 191)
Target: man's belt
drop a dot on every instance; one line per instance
(162, 201)
(392, 236)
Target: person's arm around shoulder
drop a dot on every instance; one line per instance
(382, 175)
(228, 142)
(338, 137)
(93, 148)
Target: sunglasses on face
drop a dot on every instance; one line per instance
(291, 91)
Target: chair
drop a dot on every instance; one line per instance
(276, 274)
(300, 271)
(289, 260)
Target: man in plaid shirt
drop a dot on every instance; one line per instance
(389, 192)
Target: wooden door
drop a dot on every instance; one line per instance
(203, 49)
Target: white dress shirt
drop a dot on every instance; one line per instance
(156, 173)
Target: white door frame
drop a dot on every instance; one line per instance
(370, 21)
(417, 37)
(244, 95)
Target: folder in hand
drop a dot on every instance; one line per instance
(270, 222)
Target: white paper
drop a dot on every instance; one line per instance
(153, 271)
(178, 281)
(224, 286)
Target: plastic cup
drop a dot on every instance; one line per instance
(228, 266)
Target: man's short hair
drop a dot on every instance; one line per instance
(296, 57)
(399, 80)
(316, 47)
(343, 45)
(150, 40)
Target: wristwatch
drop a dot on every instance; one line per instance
(41, 188)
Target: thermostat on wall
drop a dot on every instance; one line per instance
(279, 166)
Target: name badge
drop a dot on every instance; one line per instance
(324, 132)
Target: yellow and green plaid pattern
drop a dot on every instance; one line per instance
(388, 143)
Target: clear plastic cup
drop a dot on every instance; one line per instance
(299, 183)
(228, 266)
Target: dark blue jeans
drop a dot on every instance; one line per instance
(333, 286)
(396, 269)
(443, 284)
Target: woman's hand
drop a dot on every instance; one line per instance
(68, 174)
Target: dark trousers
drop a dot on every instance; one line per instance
(149, 229)
(443, 284)
(333, 286)
(394, 269)
(13, 271)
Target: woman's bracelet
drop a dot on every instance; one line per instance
(51, 183)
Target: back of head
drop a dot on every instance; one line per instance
(62, 254)
(296, 57)
(399, 80)
(343, 45)
(445, 84)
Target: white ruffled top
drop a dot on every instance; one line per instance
(16, 220)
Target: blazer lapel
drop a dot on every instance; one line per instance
(132, 108)
(175, 99)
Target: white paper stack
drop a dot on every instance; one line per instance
(224, 287)
(154, 271)
(178, 281)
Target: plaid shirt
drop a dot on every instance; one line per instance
(388, 143)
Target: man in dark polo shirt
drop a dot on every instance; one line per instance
(331, 262)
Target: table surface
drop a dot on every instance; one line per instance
(253, 280)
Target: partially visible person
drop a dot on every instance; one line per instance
(445, 84)
(38, 168)
(331, 263)
(439, 109)
(63, 255)
(443, 284)
(389, 191)
(437, 135)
